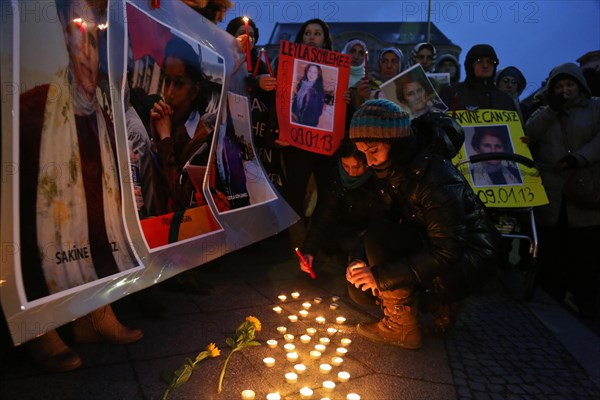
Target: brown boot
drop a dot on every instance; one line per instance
(399, 326)
(102, 326)
(52, 354)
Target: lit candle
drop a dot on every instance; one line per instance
(303, 313)
(269, 361)
(248, 394)
(343, 376)
(272, 343)
(335, 299)
(306, 393)
(325, 368)
(366, 65)
(337, 361)
(305, 338)
(300, 368)
(311, 331)
(320, 347)
(293, 356)
(306, 305)
(282, 329)
(248, 45)
(282, 297)
(318, 300)
(274, 396)
(353, 396)
(331, 331)
(325, 341)
(328, 386)
(341, 351)
(288, 337)
(345, 342)
(293, 318)
(288, 347)
(315, 355)
(334, 306)
(291, 377)
(277, 309)
(295, 295)
(268, 67)
(340, 320)
(320, 320)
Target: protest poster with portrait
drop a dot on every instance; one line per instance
(413, 92)
(310, 96)
(504, 181)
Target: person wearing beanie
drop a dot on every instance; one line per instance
(563, 136)
(424, 54)
(511, 81)
(447, 63)
(478, 90)
(436, 244)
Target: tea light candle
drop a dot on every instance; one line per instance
(325, 341)
(325, 368)
(331, 331)
(292, 357)
(337, 361)
(353, 396)
(248, 394)
(282, 297)
(335, 299)
(315, 355)
(300, 368)
(328, 386)
(272, 343)
(303, 313)
(320, 320)
(305, 338)
(341, 351)
(282, 329)
(293, 318)
(311, 331)
(295, 295)
(345, 342)
(288, 337)
(343, 376)
(306, 305)
(288, 347)
(306, 393)
(274, 396)
(277, 309)
(340, 320)
(291, 377)
(334, 306)
(269, 361)
(320, 347)
(317, 300)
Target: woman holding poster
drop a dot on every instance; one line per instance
(310, 97)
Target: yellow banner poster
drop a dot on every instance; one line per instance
(496, 162)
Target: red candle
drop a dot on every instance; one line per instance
(366, 65)
(155, 3)
(248, 45)
(305, 263)
(257, 63)
(268, 63)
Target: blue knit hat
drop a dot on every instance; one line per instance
(379, 120)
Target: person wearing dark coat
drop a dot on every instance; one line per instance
(437, 244)
(478, 90)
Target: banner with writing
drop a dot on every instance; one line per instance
(310, 96)
(496, 162)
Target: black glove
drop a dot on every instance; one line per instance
(569, 162)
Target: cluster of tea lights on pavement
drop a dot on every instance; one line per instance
(318, 346)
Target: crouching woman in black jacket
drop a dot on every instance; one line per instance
(436, 245)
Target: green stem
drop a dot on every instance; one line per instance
(220, 388)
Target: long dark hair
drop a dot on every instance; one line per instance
(181, 50)
(318, 86)
(327, 42)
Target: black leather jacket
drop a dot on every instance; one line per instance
(460, 241)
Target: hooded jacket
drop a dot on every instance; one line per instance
(578, 136)
(444, 58)
(475, 93)
(460, 242)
